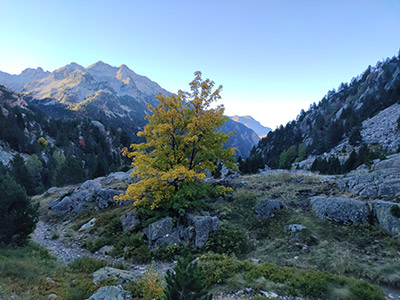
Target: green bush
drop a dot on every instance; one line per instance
(139, 254)
(18, 216)
(171, 252)
(216, 268)
(95, 245)
(366, 291)
(87, 265)
(186, 282)
(227, 239)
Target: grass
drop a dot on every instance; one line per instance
(364, 251)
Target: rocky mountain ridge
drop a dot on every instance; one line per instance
(364, 111)
(250, 122)
(114, 96)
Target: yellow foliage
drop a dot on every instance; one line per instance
(43, 141)
(182, 142)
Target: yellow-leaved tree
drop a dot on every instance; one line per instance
(182, 143)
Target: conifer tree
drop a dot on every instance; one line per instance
(185, 283)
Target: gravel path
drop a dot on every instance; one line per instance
(63, 251)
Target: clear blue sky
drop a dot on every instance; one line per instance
(272, 57)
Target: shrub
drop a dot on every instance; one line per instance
(216, 268)
(227, 240)
(18, 216)
(364, 290)
(149, 287)
(186, 282)
(87, 265)
(172, 251)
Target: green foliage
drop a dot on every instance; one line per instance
(252, 164)
(227, 239)
(87, 265)
(149, 287)
(365, 290)
(171, 252)
(217, 268)
(18, 216)
(395, 211)
(21, 175)
(186, 282)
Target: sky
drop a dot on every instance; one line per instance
(272, 57)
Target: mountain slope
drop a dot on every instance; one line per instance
(253, 124)
(335, 123)
(115, 96)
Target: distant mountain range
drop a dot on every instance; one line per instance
(253, 124)
(114, 96)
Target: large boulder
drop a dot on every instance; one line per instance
(60, 207)
(121, 276)
(341, 210)
(381, 181)
(203, 226)
(129, 221)
(267, 207)
(111, 293)
(159, 229)
(382, 213)
(105, 197)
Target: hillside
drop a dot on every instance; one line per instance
(364, 111)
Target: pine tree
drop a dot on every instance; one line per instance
(18, 216)
(185, 283)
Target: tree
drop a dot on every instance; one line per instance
(182, 142)
(185, 283)
(18, 217)
(21, 174)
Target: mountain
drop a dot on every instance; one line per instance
(17, 82)
(114, 96)
(253, 124)
(362, 115)
(243, 140)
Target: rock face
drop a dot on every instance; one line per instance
(129, 221)
(111, 293)
(384, 217)
(267, 207)
(381, 181)
(87, 195)
(195, 229)
(121, 276)
(382, 128)
(341, 210)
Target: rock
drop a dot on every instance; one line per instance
(173, 238)
(202, 227)
(129, 221)
(381, 181)
(111, 293)
(105, 197)
(159, 229)
(341, 210)
(88, 224)
(61, 207)
(117, 176)
(384, 217)
(106, 250)
(52, 190)
(269, 295)
(267, 207)
(52, 296)
(90, 185)
(121, 276)
(294, 227)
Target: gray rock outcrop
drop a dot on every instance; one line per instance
(121, 276)
(129, 221)
(267, 207)
(381, 181)
(111, 293)
(384, 217)
(195, 229)
(86, 196)
(341, 210)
